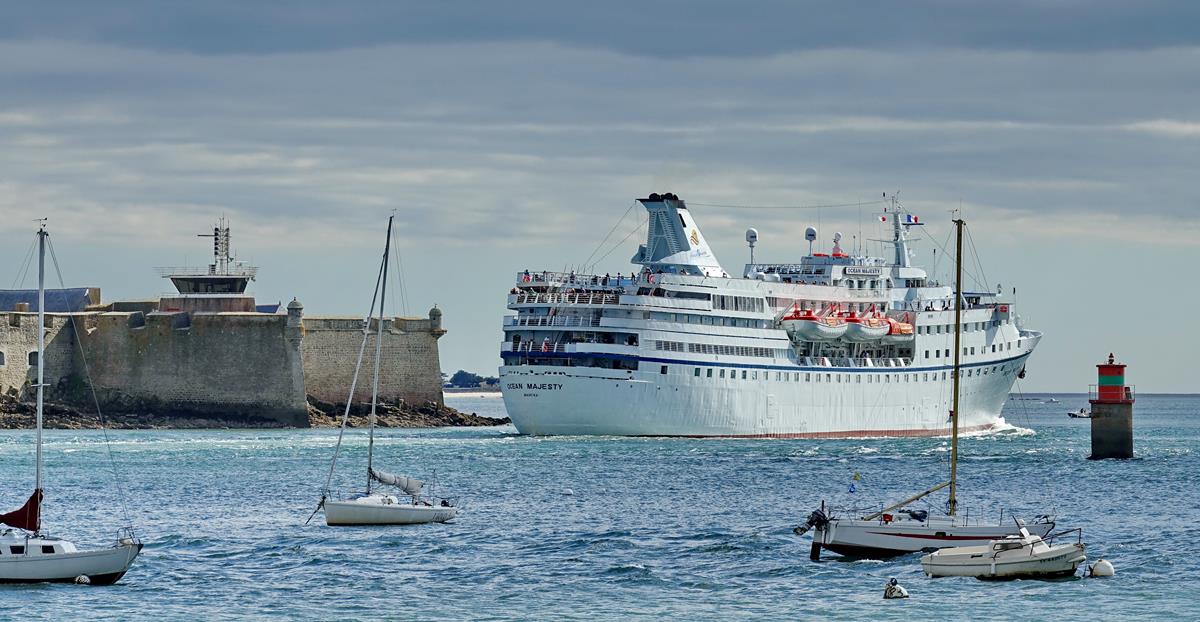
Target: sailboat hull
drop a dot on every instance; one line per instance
(877, 539)
(101, 567)
(384, 510)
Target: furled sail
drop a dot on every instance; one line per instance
(29, 515)
(409, 485)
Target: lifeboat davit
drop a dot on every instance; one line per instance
(865, 328)
(898, 332)
(804, 325)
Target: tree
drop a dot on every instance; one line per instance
(463, 379)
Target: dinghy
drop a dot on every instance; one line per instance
(375, 507)
(28, 554)
(1022, 555)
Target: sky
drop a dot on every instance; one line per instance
(507, 136)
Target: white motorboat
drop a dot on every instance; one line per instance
(1021, 555)
(28, 554)
(896, 530)
(378, 508)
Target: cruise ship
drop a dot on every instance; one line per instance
(835, 345)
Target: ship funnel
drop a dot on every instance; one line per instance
(673, 242)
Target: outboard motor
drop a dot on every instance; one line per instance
(817, 519)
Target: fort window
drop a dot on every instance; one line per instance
(1, 359)
(33, 359)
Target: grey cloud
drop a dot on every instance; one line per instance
(671, 28)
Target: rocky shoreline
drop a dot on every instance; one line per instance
(16, 415)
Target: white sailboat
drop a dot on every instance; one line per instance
(896, 530)
(28, 554)
(377, 507)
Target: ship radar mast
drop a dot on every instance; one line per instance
(901, 222)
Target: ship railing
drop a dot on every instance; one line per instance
(555, 298)
(562, 320)
(533, 346)
(569, 279)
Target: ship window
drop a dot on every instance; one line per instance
(807, 377)
(887, 378)
(744, 374)
(709, 373)
(868, 378)
(47, 549)
(663, 369)
(697, 373)
(858, 380)
(722, 373)
(753, 376)
(16, 550)
(927, 354)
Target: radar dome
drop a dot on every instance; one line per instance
(751, 235)
(810, 234)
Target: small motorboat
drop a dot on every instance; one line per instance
(1023, 555)
(1082, 414)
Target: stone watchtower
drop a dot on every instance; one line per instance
(1112, 413)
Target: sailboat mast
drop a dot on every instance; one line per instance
(41, 363)
(958, 301)
(387, 249)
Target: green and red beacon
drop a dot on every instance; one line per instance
(1112, 413)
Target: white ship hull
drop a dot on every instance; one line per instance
(545, 400)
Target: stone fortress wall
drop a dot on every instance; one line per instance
(411, 369)
(260, 364)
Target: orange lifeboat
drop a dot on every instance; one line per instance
(804, 325)
(865, 328)
(898, 331)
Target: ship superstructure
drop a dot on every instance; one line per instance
(835, 345)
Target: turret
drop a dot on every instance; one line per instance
(435, 322)
(674, 243)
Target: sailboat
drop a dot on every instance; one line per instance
(896, 530)
(375, 507)
(28, 553)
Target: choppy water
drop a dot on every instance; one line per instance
(603, 528)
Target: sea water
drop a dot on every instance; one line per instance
(602, 528)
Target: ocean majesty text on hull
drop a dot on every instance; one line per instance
(837, 344)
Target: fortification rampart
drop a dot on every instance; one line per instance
(18, 351)
(240, 364)
(410, 369)
(228, 363)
